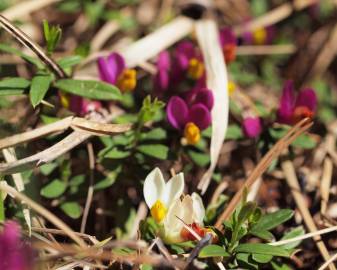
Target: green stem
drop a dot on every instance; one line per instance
(2, 208)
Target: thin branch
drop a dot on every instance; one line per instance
(43, 212)
(273, 153)
(26, 41)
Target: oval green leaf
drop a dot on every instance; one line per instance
(213, 251)
(54, 189)
(259, 248)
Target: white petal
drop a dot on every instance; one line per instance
(173, 189)
(154, 185)
(187, 205)
(198, 208)
(171, 223)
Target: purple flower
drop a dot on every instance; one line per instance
(228, 43)
(187, 62)
(293, 108)
(113, 70)
(251, 127)
(82, 106)
(14, 254)
(161, 79)
(196, 110)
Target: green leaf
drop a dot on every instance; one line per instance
(234, 132)
(292, 234)
(38, 88)
(15, 83)
(154, 134)
(54, 189)
(213, 251)
(304, 141)
(263, 234)
(11, 92)
(48, 168)
(89, 89)
(77, 180)
(272, 220)
(109, 180)
(258, 248)
(154, 150)
(245, 212)
(262, 258)
(69, 61)
(245, 261)
(72, 209)
(2, 207)
(278, 266)
(201, 159)
(32, 60)
(114, 153)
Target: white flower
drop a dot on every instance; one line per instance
(160, 195)
(190, 211)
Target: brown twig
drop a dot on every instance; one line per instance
(273, 153)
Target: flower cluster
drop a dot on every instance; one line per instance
(228, 43)
(167, 207)
(113, 70)
(192, 114)
(14, 254)
(293, 108)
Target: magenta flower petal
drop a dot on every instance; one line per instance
(287, 104)
(110, 68)
(205, 96)
(307, 98)
(251, 127)
(227, 36)
(200, 115)
(161, 80)
(163, 61)
(82, 106)
(177, 112)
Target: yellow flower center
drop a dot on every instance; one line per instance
(65, 100)
(127, 80)
(192, 133)
(158, 211)
(195, 69)
(260, 36)
(231, 87)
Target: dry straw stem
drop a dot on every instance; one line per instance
(217, 81)
(326, 183)
(43, 212)
(289, 172)
(10, 156)
(24, 8)
(273, 16)
(84, 130)
(102, 36)
(26, 41)
(328, 262)
(273, 153)
(265, 49)
(305, 236)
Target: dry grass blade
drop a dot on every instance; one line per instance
(274, 152)
(26, 41)
(289, 171)
(58, 126)
(326, 183)
(305, 236)
(24, 8)
(273, 16)
(98, 128)
(45, 156)
(265, 49)
(208, 39)
(43, 212)
(328, 262)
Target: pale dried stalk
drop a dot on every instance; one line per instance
(104, 33)
(43, 212)
(10, 156)
(265, 49)
(58, 126)
(328, 262)
(217, 81)
(24, 8)
(273, 153)
(289, 171)
(273, 16)
(305, 236)
(325, 184)
(149, 46)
